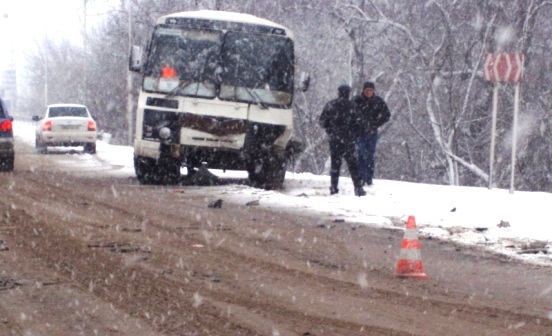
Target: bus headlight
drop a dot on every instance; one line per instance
(164, 133)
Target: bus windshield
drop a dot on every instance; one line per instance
(233, 66)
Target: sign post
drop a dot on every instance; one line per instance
(514, 134)
(504, 68)
(493, 133)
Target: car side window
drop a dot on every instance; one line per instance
(2, 113)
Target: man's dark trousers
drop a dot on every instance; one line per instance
(367, 156)
(347, 151)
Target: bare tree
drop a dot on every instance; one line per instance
(432, 61)
(53, 73)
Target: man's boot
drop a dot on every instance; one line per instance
(360, 192)
(333, 190)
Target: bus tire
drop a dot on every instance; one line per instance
(166, 172)
(142, 168)
(157, 172)
(268, 173)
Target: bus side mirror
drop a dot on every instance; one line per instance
(304, 81)
(135, 59)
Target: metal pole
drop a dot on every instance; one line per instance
(129, 78)
(493, 133)
(45, 81)
(84, 65)
(514, 135)
(45, 67)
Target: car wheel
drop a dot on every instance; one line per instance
(40, 148)
(6, 164)
(90, 148)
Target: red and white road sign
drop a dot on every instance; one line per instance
(504, 67)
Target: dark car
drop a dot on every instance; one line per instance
(7, 153)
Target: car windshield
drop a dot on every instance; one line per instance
(67, 111)
(236, 66)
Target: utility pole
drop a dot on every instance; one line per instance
(129, 79)
(45, 81)
(45, 61)
(84, 43)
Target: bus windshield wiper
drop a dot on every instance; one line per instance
(201, 77)
(177, 89)
(256, 98)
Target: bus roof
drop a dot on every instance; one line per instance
(225, 16)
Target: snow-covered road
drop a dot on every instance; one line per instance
(517, 225)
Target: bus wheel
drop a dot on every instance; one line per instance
(268, 173)
(161, 172)
(143, 168)
(166, 172)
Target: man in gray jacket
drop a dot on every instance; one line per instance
(373, 114)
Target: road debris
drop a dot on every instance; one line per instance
(216, 204)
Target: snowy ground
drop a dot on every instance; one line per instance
(517, 225)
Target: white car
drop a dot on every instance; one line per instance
(66, 125)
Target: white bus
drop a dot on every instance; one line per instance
(217, 89)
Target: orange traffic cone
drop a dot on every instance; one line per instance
(410, 262)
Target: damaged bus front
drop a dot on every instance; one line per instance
(217, 89)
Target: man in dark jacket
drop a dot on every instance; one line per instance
(340, 120)
(373, 114)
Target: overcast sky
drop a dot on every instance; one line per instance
(24, 23)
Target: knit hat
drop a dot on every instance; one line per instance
(368, 85)
(344, 90)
